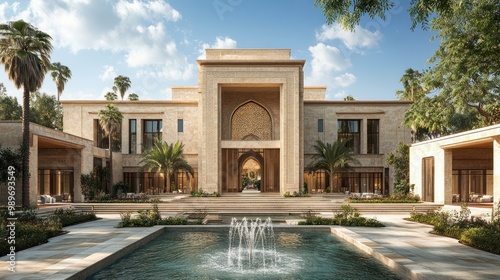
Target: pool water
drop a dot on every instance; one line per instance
(203, 254)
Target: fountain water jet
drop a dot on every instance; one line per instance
(252, 244)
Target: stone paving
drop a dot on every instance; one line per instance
(407, 247)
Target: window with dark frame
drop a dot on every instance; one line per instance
(101, 140)
(132, 137)
(373, 134)
(180, 125)
(349, 131)
(152, 133)
(320, 125)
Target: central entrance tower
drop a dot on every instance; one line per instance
(251, 108)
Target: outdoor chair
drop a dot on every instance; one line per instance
(486, 198)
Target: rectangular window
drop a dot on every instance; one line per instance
(320, 125)
(132, 136)
(101, 139)
(349, 131)
(152, 133)
(180, 125)
(373, 136)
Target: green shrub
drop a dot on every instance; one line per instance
(348, 216)
(296, 194)
(27, 235)
(69, 217)
(483, 238)
(121, 187)
(394, 198)
(173, 221)
(201, 193)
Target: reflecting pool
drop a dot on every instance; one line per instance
(202, 253)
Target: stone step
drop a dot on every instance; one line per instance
(221, 207)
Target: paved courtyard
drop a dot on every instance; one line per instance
(405, 246)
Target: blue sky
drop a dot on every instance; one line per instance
(156, 43)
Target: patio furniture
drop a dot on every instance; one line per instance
(486, 198)
(45, 198)
(65, 197)
(474, 197)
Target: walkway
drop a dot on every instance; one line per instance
(406, 246)
(410, 249)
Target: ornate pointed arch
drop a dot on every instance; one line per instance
(251, 121)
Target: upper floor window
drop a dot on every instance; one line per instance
(180, 125)
(132, 137)
(152, 133)
(372, 140)
(320, 125)
(101, 139)
(349, 131)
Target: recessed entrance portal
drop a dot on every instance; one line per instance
(251, 174)
(250, 168)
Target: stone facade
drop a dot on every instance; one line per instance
(250, 106)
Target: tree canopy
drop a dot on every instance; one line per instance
(348, 13)
(332, 158)
(46, 110)
(166, 158)
(60, 75)
(122, 84)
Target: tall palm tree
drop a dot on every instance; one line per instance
(332, 158)
(60, 75)
(110, 120)
(412, 83)
(25, 52)
(122, 84)
(166, 158)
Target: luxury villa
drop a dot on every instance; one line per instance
(250, 116)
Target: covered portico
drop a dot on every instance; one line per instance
(463, 167)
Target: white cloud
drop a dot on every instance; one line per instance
(359, 38)
(108, 73)
(326, 60)
(344, 80)
(140, 30)
(220, 43)
(340, 94)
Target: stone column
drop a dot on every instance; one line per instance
(496, 172)
(33, 170)
(447, 178)
(209, 148)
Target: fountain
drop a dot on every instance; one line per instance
(253, 249)
(251, 244)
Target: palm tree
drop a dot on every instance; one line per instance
(133, 97)
(122, 84)
(25, 52)
(166, 158)
(412, 83)
(60, 75)
(332, 158)
(111, 96)
(110, 120)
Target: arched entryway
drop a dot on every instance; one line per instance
(251, 170)
(238, 164)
